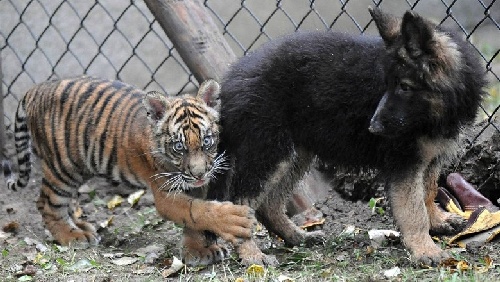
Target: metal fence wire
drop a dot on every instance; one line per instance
(45, 39)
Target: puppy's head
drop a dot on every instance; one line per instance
(423, 65)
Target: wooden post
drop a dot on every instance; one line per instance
(2, 120)
(191, 29)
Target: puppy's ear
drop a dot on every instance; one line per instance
(417, 34)
(389, 26)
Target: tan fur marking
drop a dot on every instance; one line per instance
(430, 149)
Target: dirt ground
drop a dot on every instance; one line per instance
(139, 246)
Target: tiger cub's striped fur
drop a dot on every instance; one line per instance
(84, 127)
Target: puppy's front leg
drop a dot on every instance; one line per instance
(406, 195)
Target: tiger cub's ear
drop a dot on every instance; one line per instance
(156, 105)
(209, 92)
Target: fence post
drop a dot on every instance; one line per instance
(195, 36)
(2, 120)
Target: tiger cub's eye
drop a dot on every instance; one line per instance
(178, 147)
(208, 141)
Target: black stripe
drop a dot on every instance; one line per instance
(23, 174)
(22, 128)
(21, 161)
(55, 149)
(114, 107)
(69, 120)
(23, 143)
(131, 113)
(182, 116)
(22, 138)
(20, 118)
(59, 192)
(194, 114)
(91, 122)
(119, 134)
(65, 93)
(56, 206)
(134, 99)
(83, 113)
(58, 175)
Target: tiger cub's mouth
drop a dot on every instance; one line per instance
(199, 182)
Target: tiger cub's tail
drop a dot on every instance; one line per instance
(23, 153)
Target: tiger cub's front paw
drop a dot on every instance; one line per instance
(231, 222)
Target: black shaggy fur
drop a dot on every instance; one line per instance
(395, 103)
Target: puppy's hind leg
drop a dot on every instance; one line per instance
(278, 190)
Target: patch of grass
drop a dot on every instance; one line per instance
(375, 208)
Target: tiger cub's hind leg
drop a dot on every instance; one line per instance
(57, 206)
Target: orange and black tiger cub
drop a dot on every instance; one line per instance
(85, 127)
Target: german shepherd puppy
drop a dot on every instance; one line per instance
(395, 103)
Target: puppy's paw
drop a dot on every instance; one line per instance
(429, 258)
(314, 238)
(249, 253)
(424, 252)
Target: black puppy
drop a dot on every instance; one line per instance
(395, 103)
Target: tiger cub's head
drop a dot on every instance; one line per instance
(185, 137)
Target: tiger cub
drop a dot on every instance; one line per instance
(85, 127)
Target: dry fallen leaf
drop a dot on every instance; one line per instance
(255, 270)
(82, 265)
(488, 263)
(145, 270)
(107, 222)
(284, 278)
(463, 265)
(78, 212)
(393, 272)
(311, 223)
(175, 267)
(4, 235)
(454, 264)
(135, 197)
(114, 202)
(449, 262)
(124, 261)
(11, 227)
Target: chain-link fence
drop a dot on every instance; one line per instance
(43, 39)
